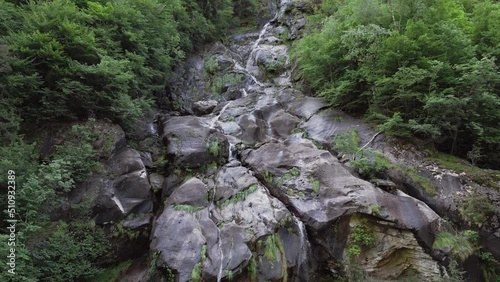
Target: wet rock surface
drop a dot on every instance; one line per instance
(204, 107)
(250, 193)
(191, 143)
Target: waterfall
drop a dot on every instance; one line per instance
(242, 70)
(248, 65)
(152, 128)
(244, 92)
(219, 243)
(118, 204)
(261, 35)
(216, 118)
(305, 247)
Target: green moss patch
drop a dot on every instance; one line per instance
(485, 177)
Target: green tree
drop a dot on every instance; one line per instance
(412, 67)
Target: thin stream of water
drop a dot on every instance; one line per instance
(216, 118)
(305, 247)
(240, 69)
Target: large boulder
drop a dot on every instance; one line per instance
(204, 107)
(111, 138)
(178, 238)
(217, 228)
(267, 61)
(283, 124)
(313, 183)
(456, 195)
(326, 124)
(124, 190)
(119, 188)
(193, 193)
(379, 248)
(192, 143)
(291, 15)
(231, 180)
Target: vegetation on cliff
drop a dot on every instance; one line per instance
(427, 68)
(72, 60)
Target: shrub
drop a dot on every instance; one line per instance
(361, 237)
(476, 209)
(70, 251)
(213, 148)
(462, 244)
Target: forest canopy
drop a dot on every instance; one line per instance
(425, 68)
(68, 60)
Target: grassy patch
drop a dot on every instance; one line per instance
(274, 250)
(371, 163)
(315, 184)
(229, 118)
(120, 231)
(462, 245)
(207, 167)
(268, 177)
(112, 273)
(374, 209)
(196, 273)
(214, 148)
(229, 274)
(424, 182)
(293, 172)
(229, 79)
(476, 209)
(485, 177)
(211, 66)
(240, 196)
(204, 253)
(187, 208)
(252, 269)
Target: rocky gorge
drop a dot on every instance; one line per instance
(241, 180)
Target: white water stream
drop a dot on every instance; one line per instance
(261, 35)
(304, 242)
(302, 259)
(214, 120)
(219, 244)
(242, 70)
(118, 203)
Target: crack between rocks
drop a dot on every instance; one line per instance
(318, 111)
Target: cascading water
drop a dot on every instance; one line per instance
(261, 35)
(259, 39)
(118, 203)
(249, 63)
(219, 238)
(216, 118)
(152, 129)
(242, 70)
(244, 92)
(221, 253)
(303, 258)
(305, 247)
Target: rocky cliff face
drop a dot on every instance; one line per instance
(251, 195)
(251, 190)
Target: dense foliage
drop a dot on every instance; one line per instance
(65, 59)
(73, 60)
(425, 68)
(52, 251)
